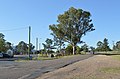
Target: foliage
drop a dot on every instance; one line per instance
(103, 46)
(8, 45)
(84, 48)
(69, 50)
(117, 46)
(58, 42)
(22, 47)
(72, 25)
(4, 46)
(92, 48)
(99, 46)
(48, 45)
(78, 50)
(2, 36)
(2, 43)
(31, 46)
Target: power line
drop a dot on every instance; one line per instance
(21, 28)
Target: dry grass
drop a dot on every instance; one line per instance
(97, 67)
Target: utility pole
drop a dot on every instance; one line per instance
(113, 45)
(39, 45)
(29, 41)
(36, 43)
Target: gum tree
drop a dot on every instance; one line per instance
(72, 25)
(2, 43)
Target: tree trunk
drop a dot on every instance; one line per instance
(60, 46)
(73, 49)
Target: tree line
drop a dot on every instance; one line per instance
(21, 48)
(71, 26)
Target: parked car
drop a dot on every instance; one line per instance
(1, 55)
(10, 53)
(4, 55)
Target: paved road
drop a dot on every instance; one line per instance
(17, 57)
(33, 69)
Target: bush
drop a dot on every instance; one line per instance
(69, 50)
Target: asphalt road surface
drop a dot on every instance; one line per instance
(34, 69)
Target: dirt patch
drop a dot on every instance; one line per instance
(96, 67)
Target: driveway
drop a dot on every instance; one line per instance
(34, 69)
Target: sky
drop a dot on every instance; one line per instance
(17, 15)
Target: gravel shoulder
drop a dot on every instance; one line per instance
(96, 67)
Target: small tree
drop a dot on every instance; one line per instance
(117, 46)
(2, 43)
(31, 47)
(8, 45)
(99, 46)
(58, 43)
(69, 49)
(92, 49)
(22, 47)
(48, 45)
(105, 45)
(78, 50)
(84, 48)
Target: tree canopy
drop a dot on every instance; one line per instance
(22, 47)
(2, 43)
(48, 45)
(103, 46)
(117, 46)
(72, 25)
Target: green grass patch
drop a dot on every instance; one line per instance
(111, 70)
(44, 58)
(42, 55)
(117, 57)
(21, 60)
(88, 77)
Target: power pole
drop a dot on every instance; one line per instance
(39, 45)
(113, 45)
(36, 43)
(29, 41)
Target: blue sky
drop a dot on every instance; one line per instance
(39, 14)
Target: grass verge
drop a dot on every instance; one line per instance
(34, 59)
(117, 57)
(111, 70)
(44, 58)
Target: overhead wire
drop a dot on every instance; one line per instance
(14, 29)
